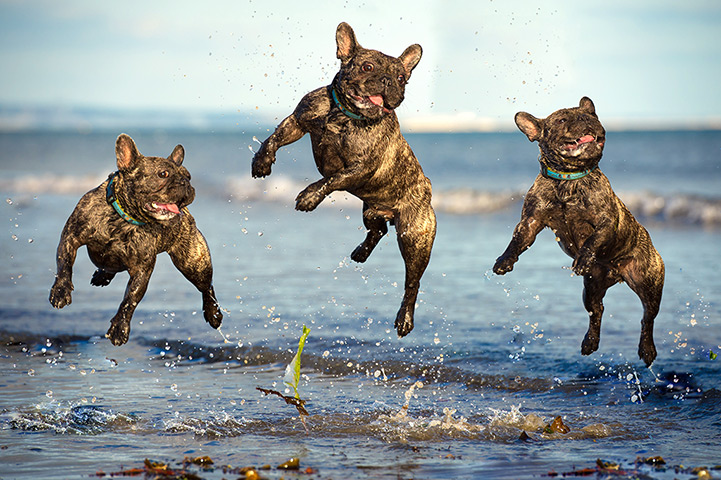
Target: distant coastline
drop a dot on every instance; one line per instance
(14, 118)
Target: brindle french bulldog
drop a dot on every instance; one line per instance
(358, 147)
(137, 213)
(574, 198)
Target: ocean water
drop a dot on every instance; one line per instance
(492, 360)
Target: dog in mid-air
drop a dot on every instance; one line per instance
(358, 147)
(137, 213)
(573, 198)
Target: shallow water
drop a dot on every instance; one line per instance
(496, 356)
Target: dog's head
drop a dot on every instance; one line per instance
(153, 188)
(370, 82)
(570, 139)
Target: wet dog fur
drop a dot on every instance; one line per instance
(591, 223)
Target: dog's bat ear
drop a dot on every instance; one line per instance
(345, 41)
(529, 125)
(125, 151)
(587, 105)
(410, 58)
(178, 155)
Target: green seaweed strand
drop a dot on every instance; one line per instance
(292, 371)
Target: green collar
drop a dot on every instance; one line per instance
(344, 109)
(113, 201)
(547, 172)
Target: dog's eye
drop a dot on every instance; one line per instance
(401, 79)
(164, 174)
(367, 67)
(561, 120)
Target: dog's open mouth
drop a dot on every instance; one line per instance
(583, 142)
(371, 101)
(163, 210)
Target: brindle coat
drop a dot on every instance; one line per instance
(358, 147)
(591, 223)
(153, 191)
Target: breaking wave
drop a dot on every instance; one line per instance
(678, 208)
(681, 209)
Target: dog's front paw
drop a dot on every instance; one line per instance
(583, 263)
(309, 198)
(262, 163)
(504, 264)
(61, 294)
(119, 332)
(211, 311)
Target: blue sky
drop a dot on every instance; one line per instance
(640, 61)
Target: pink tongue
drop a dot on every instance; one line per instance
(171, 207)
(376, 100)
(586, 139)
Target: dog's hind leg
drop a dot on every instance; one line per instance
(376, 224)
(595, 285)
(416, 230)
(192, 258)
(102, 278)
(119, 330)
(646, 279)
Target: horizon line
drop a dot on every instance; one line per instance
(84, 118)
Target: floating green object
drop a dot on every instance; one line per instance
(712, 355)
(292, 371)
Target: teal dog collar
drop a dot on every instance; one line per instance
(113, 201)
(347, 112)
(547, 172)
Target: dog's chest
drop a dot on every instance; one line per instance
(571, 215)
(339, 144)
(117, 245)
